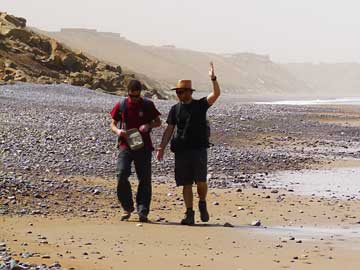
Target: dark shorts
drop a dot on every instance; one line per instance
(191, 166)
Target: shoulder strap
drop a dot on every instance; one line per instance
(146, 103)
(177, 112)
(187, 123)
(123, 113)
(146, 106)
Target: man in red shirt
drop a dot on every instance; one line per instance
(142, 115)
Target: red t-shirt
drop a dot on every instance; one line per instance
(136, 116)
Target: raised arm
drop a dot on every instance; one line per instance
(212, 97)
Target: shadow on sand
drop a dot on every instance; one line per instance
(199, 225)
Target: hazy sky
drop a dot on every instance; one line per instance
(287, 30)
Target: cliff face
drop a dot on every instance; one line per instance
(27, 56)
(240, 74)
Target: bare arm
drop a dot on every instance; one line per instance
(166, 136)
(116, 130)
(212, 97)
(164, 141)
(113, 127)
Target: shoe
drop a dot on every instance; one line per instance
(143, 218)
(125, 216)
(143, 213)
(204, 214)
(189, 218)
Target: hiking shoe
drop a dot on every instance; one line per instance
(143, 217)
(125, 216)
(143, 213)
(204, 214)
(189, 218)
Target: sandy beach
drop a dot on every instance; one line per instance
(58, 205)
(296, 232)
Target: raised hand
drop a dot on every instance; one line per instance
(212, 71)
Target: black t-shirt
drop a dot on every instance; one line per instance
(196, 133)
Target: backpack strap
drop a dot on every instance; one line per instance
(122, 113)
(177, 112)
(146, 103)
(187, 123)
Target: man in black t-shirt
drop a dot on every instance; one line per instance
(190, 144)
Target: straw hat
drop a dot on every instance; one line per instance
(183, 84)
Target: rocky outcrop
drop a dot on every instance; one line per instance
(26, 56)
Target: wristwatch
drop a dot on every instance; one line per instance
(213, 78)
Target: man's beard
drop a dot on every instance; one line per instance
(134, 96)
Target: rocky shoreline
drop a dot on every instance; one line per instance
(43, 133)
(55, 143)
(51, 133)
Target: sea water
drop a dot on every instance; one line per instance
(340, 183)
(338, 101)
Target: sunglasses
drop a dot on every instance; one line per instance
(179, 93)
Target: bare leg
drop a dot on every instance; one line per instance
(202, 189)
(188, 196)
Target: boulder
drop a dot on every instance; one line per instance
(81, 55)
(8, 77)
(9, 64)
(110, 68)
(54, 61)
(80, 78)
(117, 82)
(71, 62)
(95, 84)
(22, 35)
(38, 54)
(118, 69)
(45, 80)
(106, 76)
(15, 21)
(100, 67)
(10, 71)
(91, 67)
(4, 31)
(20, 76)
(40, 43)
